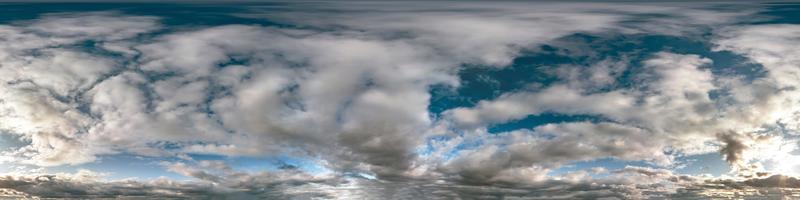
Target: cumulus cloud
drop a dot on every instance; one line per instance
(221, 90)
(771, 98)
(46, 76)
(352, 91)
(646, 119)
(767, 45)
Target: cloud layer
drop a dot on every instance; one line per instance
(350, 89)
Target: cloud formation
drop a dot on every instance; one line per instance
(351, 91)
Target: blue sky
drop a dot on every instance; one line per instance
(334, 99)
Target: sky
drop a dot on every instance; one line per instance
(399, 100)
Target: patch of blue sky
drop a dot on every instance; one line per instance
(430, 144)
(465, 145)
(9, 141)
(533, 121)
(781, 127)
(780, 13)
(609, 164)
(535, 67)
(123, 166)
(174, 15)
(724, 62)
(456, 151)
(637, 48)
(251, 163)
(436, 140)
(710, 163)
(485, 83)
(266, 163)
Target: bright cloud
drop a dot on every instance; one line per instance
(541, 100)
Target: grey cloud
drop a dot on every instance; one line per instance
(645, 171)
(254, 187)
(732, 147)
(229, 185)
(255, 102)
(628, 183)
(74, 186)
(671, 105)
(774, 93)
(772, 187)
(493, 33)
(42, 89)
(343, 92)
(670, 94)
(644, 120)
(779, 181)
(525, 157)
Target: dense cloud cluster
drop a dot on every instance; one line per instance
(351, 91)
(286, 184)
(220, 182)
(88, 184)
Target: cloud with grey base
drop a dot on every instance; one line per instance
(353, 93)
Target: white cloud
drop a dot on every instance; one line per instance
(353, 91)
(46, 79)
(669, 113)
(772, 47)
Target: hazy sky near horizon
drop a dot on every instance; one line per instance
(399, 100)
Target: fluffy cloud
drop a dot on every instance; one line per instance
(772, 98)
(352, 91)
(46, 77)
(649, 117)
(769, 46)
(250, 90)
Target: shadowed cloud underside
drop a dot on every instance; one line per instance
(399, 100)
